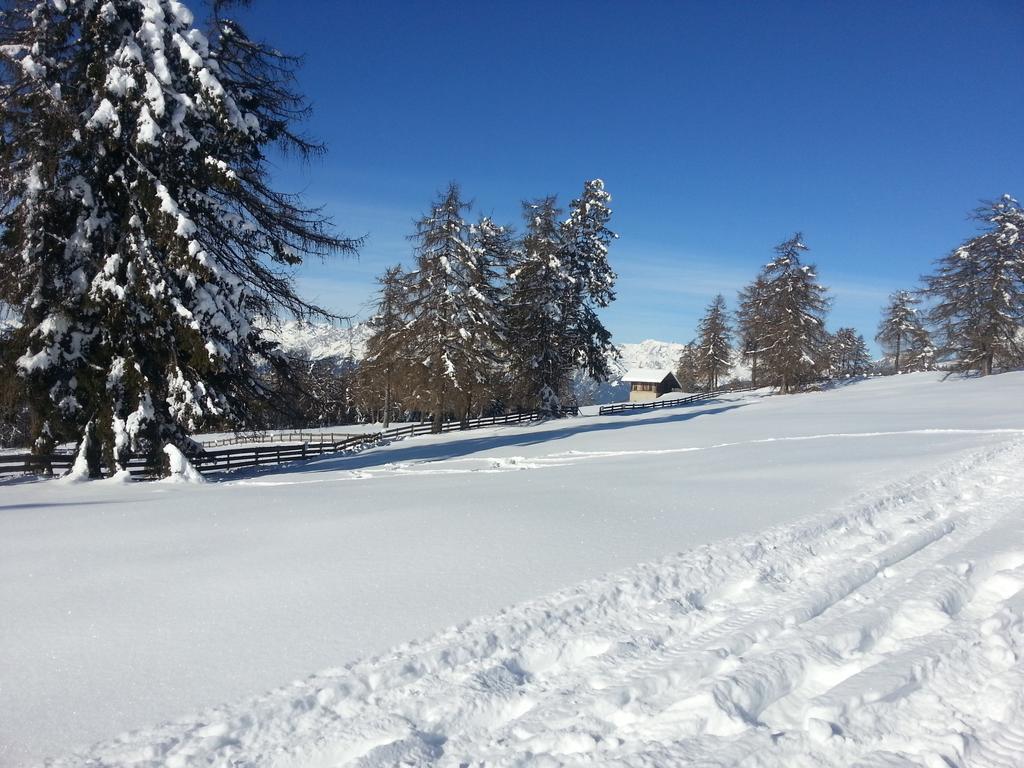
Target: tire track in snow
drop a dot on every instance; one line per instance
(833, 641)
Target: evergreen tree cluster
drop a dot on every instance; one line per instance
(487, 320)
(968, 316)
(848, 354)
(969, 313)
(779, 328)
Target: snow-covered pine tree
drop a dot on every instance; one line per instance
(492, 252)
(750, 325)
(687, 369)
(451, 321)
(386, 348)
(713, 346)
(142, 238)
(902, 334)
(537, 284)
(920, 352)
(860, 362)
(560, 279)
(848, 353)
(591, 281)
(793, 306)
(14, 414)
(979, 292)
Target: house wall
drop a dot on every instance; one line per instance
(664, 388)
(640, 392)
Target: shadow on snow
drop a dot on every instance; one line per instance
(416, 450)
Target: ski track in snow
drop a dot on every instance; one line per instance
(517, 463)
(888, 632)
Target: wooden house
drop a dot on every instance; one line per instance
(650, 383)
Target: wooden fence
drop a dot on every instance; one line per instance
(621, 407)
(278, 437)
(223, 459)
(22, 463)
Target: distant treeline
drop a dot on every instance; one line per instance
(968, 314)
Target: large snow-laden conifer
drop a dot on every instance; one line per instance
(537, 286)
(492, 252)
(590, 280)
(979, 292)
(561, 279)
(141, 237)
(453, 322)
(792, 318)
(713, 348)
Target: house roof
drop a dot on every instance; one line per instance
(647, 375)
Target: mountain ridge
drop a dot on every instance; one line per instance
(321, 340)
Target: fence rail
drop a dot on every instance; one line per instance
(19, 463)
(621, 407)
(277, 437)
(223, 459)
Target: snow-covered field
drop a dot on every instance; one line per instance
(834, 578)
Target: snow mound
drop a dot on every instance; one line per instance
(79, 472)
(182, 470)
(121, 477)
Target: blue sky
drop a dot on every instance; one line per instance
(719, 128)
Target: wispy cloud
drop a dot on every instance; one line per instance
(648, 270)
(861, 291)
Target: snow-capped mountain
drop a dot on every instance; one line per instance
(650, 353)
(320, 340)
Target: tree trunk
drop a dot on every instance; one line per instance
(438, 415)
(753, 369)
(92, 447)
(897, 361)
(387, 400)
